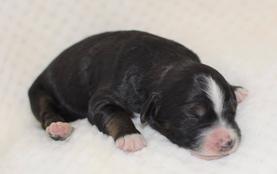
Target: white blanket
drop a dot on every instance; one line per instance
(238, 37)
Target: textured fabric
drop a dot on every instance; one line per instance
(236, 37)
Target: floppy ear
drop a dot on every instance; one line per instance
(150, 108)
(240, 92)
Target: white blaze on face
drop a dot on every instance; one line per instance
(221, 131)
(216, 95)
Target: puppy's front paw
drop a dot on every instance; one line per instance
(59, 130)
(131, 143)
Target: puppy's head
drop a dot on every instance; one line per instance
(195, 108)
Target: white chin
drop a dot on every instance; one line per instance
(207, 157)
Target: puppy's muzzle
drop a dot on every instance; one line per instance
(217, 143)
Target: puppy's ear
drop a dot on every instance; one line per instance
(240, 92)
(150, 108)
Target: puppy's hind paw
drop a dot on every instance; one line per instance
(131, 142)
(59, 130)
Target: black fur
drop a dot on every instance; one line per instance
(109, 76)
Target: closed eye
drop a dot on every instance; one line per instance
(197, 110)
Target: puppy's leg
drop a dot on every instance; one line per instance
(116, 122)
(44, 109)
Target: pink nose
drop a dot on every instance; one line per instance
(225, 145)
(220, 141)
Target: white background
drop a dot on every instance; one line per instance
(238, 37)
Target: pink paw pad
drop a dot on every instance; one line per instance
(59, 130)
(131, 143)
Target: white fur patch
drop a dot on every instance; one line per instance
(216, 95)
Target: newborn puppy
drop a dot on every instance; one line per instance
(108, 77)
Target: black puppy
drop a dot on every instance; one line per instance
(108, 77)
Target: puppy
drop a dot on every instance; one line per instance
(108, 77)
